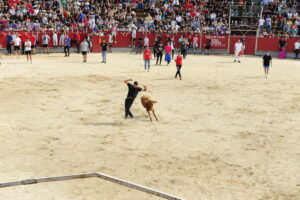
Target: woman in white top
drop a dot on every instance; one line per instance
(27, 45)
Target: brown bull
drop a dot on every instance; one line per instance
(148, 104)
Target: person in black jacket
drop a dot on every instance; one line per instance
(159, 53)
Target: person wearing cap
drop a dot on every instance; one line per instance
(27, 48)
(133, 90)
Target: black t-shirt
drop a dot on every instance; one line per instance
(267, 60)
(132, 91)
(104, 46)
(160, 49)
(282, 43)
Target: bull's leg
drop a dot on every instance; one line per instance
(154, 115)
(149, 115)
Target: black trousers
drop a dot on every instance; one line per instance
(67, 51)
(9, 48)
(128, 104)
(159, 58)
(23, 48)
(184, 53)
(76, 42)
(296, 53)
(78, 46)
(173, 52)
(178, 71)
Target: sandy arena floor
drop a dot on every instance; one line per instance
(224, 132)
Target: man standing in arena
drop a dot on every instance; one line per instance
(84, 49)
(9, 43)
(147, 58)
(140, 45)
(146, 41)
(195, 43)
(133, 37)
(24, 37)
(133, 91)
(178, 65)
(33, 41)
(168, 50)
(45, 41)
(77, 41)
(104, 50)
(297, 48)
(27, 49)
(17, 43)
(267, 60)
(55, 39)
(62, 39)
(237, 50)
(67, 45)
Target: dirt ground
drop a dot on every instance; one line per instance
(224, 131)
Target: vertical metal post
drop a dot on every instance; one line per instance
(228, 50)
(258, 30)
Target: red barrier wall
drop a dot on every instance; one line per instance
(220, 42)
(271, 44)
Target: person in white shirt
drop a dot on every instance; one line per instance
(84, 49)
(261, 24)
(146, 41)
(237, 50)
(17, 43)
(62, 40)
(27, 45)
(110, 42)
(55, 39)
(297, 48)
(45, 41)
(133, 37)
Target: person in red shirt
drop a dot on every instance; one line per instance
(32, 39)
(168, 50)
(24, 37)
(77, 41)
(178, 64)
(147, 58)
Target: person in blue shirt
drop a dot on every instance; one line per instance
(9, 43)
(67, 45)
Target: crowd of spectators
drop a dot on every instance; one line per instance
(94, 15)
(206, 16)
(280, 17)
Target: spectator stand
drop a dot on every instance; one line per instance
(244, 17)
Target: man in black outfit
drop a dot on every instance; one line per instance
(267, 61)
(133, 91)
(159, 53)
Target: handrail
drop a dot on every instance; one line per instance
(92, 175)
